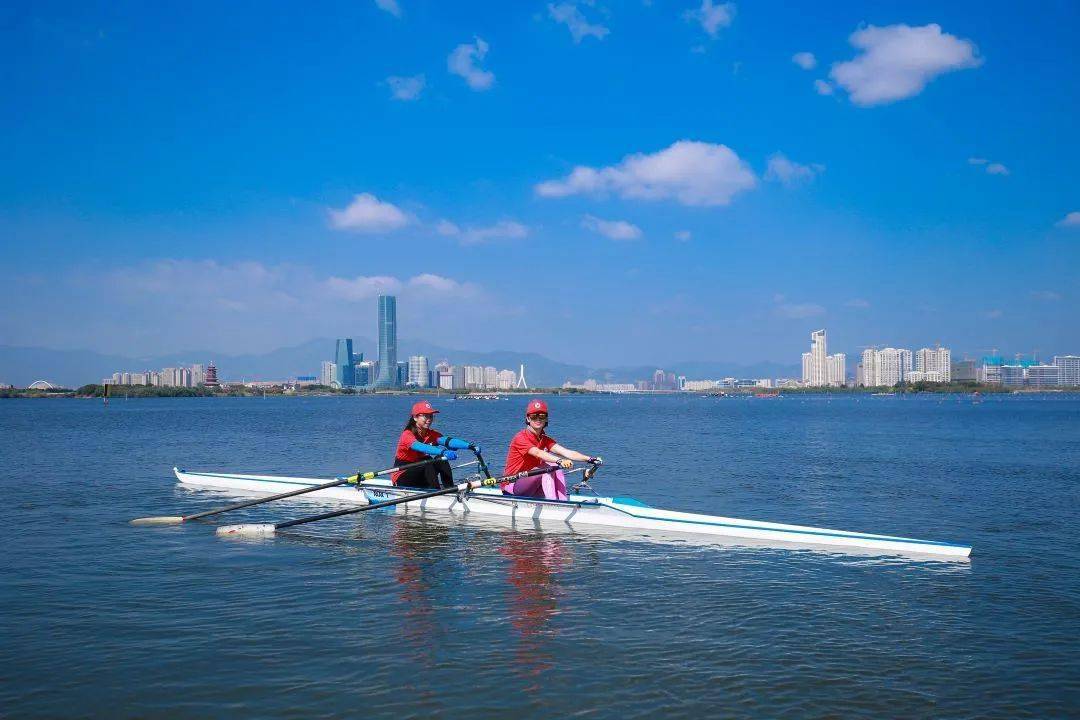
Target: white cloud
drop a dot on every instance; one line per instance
(612, 229)
(683, 235)
(992, 168)
(691, 172)
(1070, 220)
(805, 60)
(442, 286)
(243, 307)
(569, 15)
(367, 214)
(361, 287)
(858, 303)
(898, 61)
(502, 230)
(477, 235)
(447, 228)
(790, 173)
(464, 61)
(823, 87)
(1046, 295)
(712, 17)
(993, 314)
(389, 6)
(406, 87)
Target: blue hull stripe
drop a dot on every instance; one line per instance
(824, 533)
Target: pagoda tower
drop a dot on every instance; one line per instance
(211, 376)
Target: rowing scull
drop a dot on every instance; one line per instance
(579, 511)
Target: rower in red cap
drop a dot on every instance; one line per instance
(532, 448)
(418, 442)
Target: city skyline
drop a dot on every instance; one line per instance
(890, 172)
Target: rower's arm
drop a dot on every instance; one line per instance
(570, 454)
(544, 454)
(425, 448)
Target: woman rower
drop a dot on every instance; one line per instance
(419, 441)
(532, 448)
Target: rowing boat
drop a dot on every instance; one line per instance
(578, 511)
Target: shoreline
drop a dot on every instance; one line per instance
(96, 392)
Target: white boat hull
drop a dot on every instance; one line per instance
(579, 512)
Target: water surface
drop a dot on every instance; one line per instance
(384, 615)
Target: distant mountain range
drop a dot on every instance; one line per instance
(21, 366)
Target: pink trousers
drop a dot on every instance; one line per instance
(550, 486)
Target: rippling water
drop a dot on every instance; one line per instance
(382, 614)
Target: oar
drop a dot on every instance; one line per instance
(270, 528)
(177, 519)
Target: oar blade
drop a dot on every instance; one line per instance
(247, 530)
(160, 520)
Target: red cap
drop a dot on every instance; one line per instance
(423, 408)
(536, 405)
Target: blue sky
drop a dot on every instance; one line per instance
(600, 182)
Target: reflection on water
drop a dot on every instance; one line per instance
(417, 547)
(533, 596)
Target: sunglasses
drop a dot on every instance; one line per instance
(429, 416)
(538, 416)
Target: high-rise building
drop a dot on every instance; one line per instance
(328, 373)
(457, 372)
(1068, 369)
(473, 377)
(819, 369)
(491, 378)
(934, 360)
(198, 375)
(885, 367)
(418, 371)
(401, 377)
(505, 379)
(366, 372)
(343, 359)
(387, 342)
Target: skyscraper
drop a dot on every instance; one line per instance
(327, 374)
(418, 371)
(819, 368)
(387, 342)
(343, 358)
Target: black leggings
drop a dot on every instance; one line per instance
(434, 475)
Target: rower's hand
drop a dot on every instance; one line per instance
(475, 449)
(598, 461)
(448, 455)
(566, 464)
